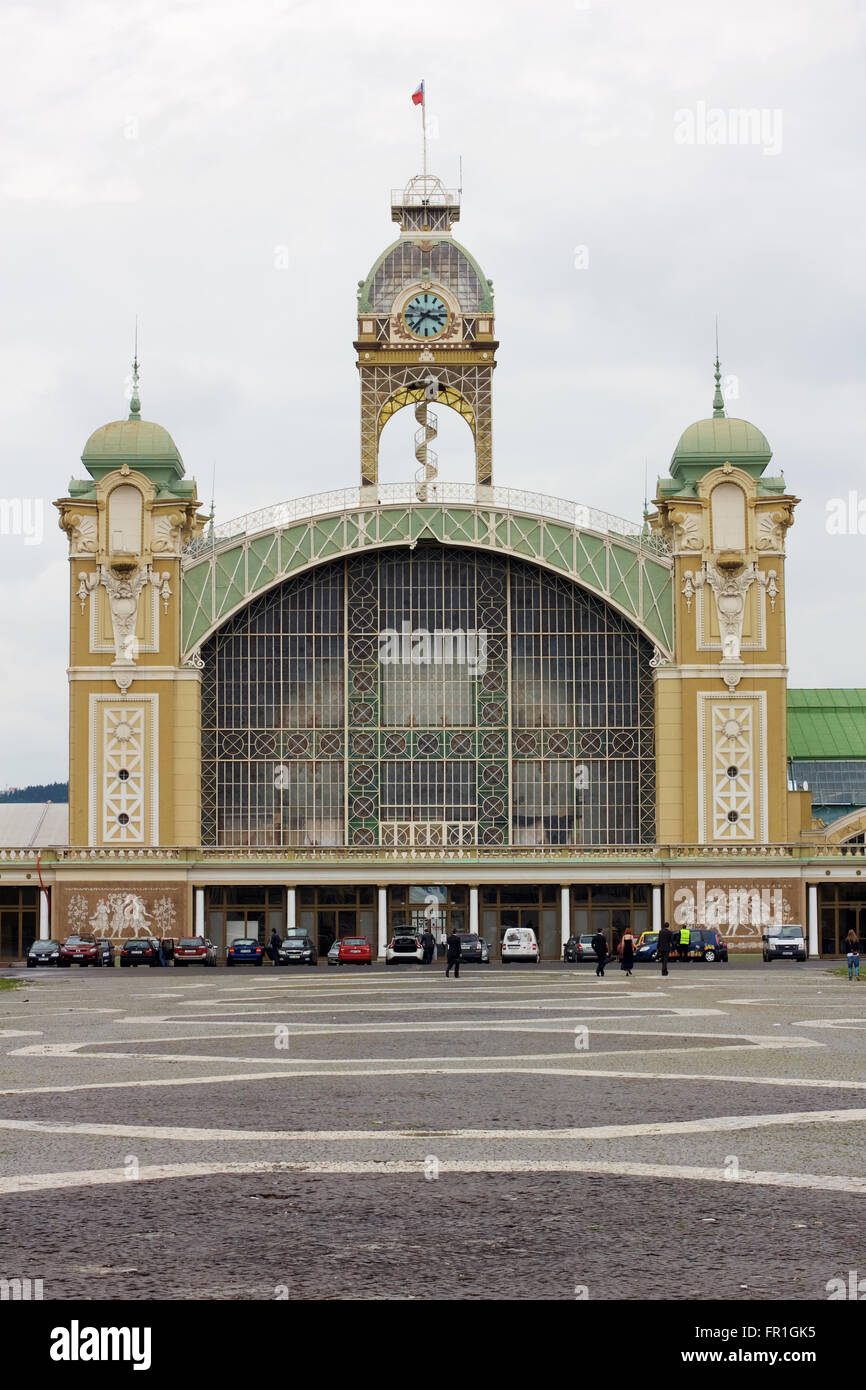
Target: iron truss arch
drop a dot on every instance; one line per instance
(615, 559)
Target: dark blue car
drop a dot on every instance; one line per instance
(245, 951)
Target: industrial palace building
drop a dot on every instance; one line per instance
(453, 704)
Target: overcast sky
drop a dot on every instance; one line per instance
(157, 157)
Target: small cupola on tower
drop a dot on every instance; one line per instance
(137, 444)
(711, 443)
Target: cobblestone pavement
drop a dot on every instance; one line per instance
(517, 1133)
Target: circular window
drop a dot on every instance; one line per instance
(123, 775)
(733, 772)
(123, 818)
(733, 816)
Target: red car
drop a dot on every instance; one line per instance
(80, 950)
(355, 950)
(194, 950)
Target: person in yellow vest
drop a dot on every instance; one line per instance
(685, 937)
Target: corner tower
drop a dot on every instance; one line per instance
(134, 739)
(721, 703)
(425, 332)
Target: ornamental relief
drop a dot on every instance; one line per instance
(741, 908)
(123, 589)
(118, 912)
(771, 527)
(82, 529)
(164, 532)
(688, 531)
(732, 769)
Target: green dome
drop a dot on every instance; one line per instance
(130, 441)
(138, 444)
(716, 441)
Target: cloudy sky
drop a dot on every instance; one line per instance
(223, 171)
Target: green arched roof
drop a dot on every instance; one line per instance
(130, 441)
(721, 439)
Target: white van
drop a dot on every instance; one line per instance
(785, 943)
(519, 943)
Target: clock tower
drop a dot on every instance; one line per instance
(425, 332)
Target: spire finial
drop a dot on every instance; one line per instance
(134, 402)
(718, 398)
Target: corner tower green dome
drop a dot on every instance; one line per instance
(709, 444)
(136, 443)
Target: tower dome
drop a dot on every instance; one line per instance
(140, 444)
(710, 443)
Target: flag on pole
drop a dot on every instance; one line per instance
(418, 95)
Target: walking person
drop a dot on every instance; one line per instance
(852, 950)
(665, 942)
(626, 960)
(274, 947)
(455, 952)
(599, 945)
(428, 945)
(685, 938)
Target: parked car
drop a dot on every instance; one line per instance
(106, 950)
(705, 943)
(43, 953)
(473, 948)
(194, 950)
(80, 950)
(574, 951)
(140, 950)
(519, 943)
(245, 950)
(785, 943)
(334, 953)
(298, 949)
(355, 950)
(404, 949)
(647, 947)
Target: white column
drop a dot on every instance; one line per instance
(813, 920)
(199, 912)
(44, 917)
(291, 909)
(383, 922)
(565, 913)
(473, 910)
(657, 908)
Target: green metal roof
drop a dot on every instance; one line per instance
(827, 723)
(129, 441)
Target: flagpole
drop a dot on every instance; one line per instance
(424, 126)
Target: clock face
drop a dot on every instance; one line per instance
(426, 315)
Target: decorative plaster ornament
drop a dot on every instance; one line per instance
(86, 584)
(768, 580)
(167, 533)
(658, 658)
(687, 531)
(82, 532)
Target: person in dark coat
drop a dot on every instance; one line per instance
(428, 943)
(455, 951)
(274, 948)
(626, 960)
(665, 942)
(599, 945)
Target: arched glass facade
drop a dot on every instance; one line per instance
(434, 697)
